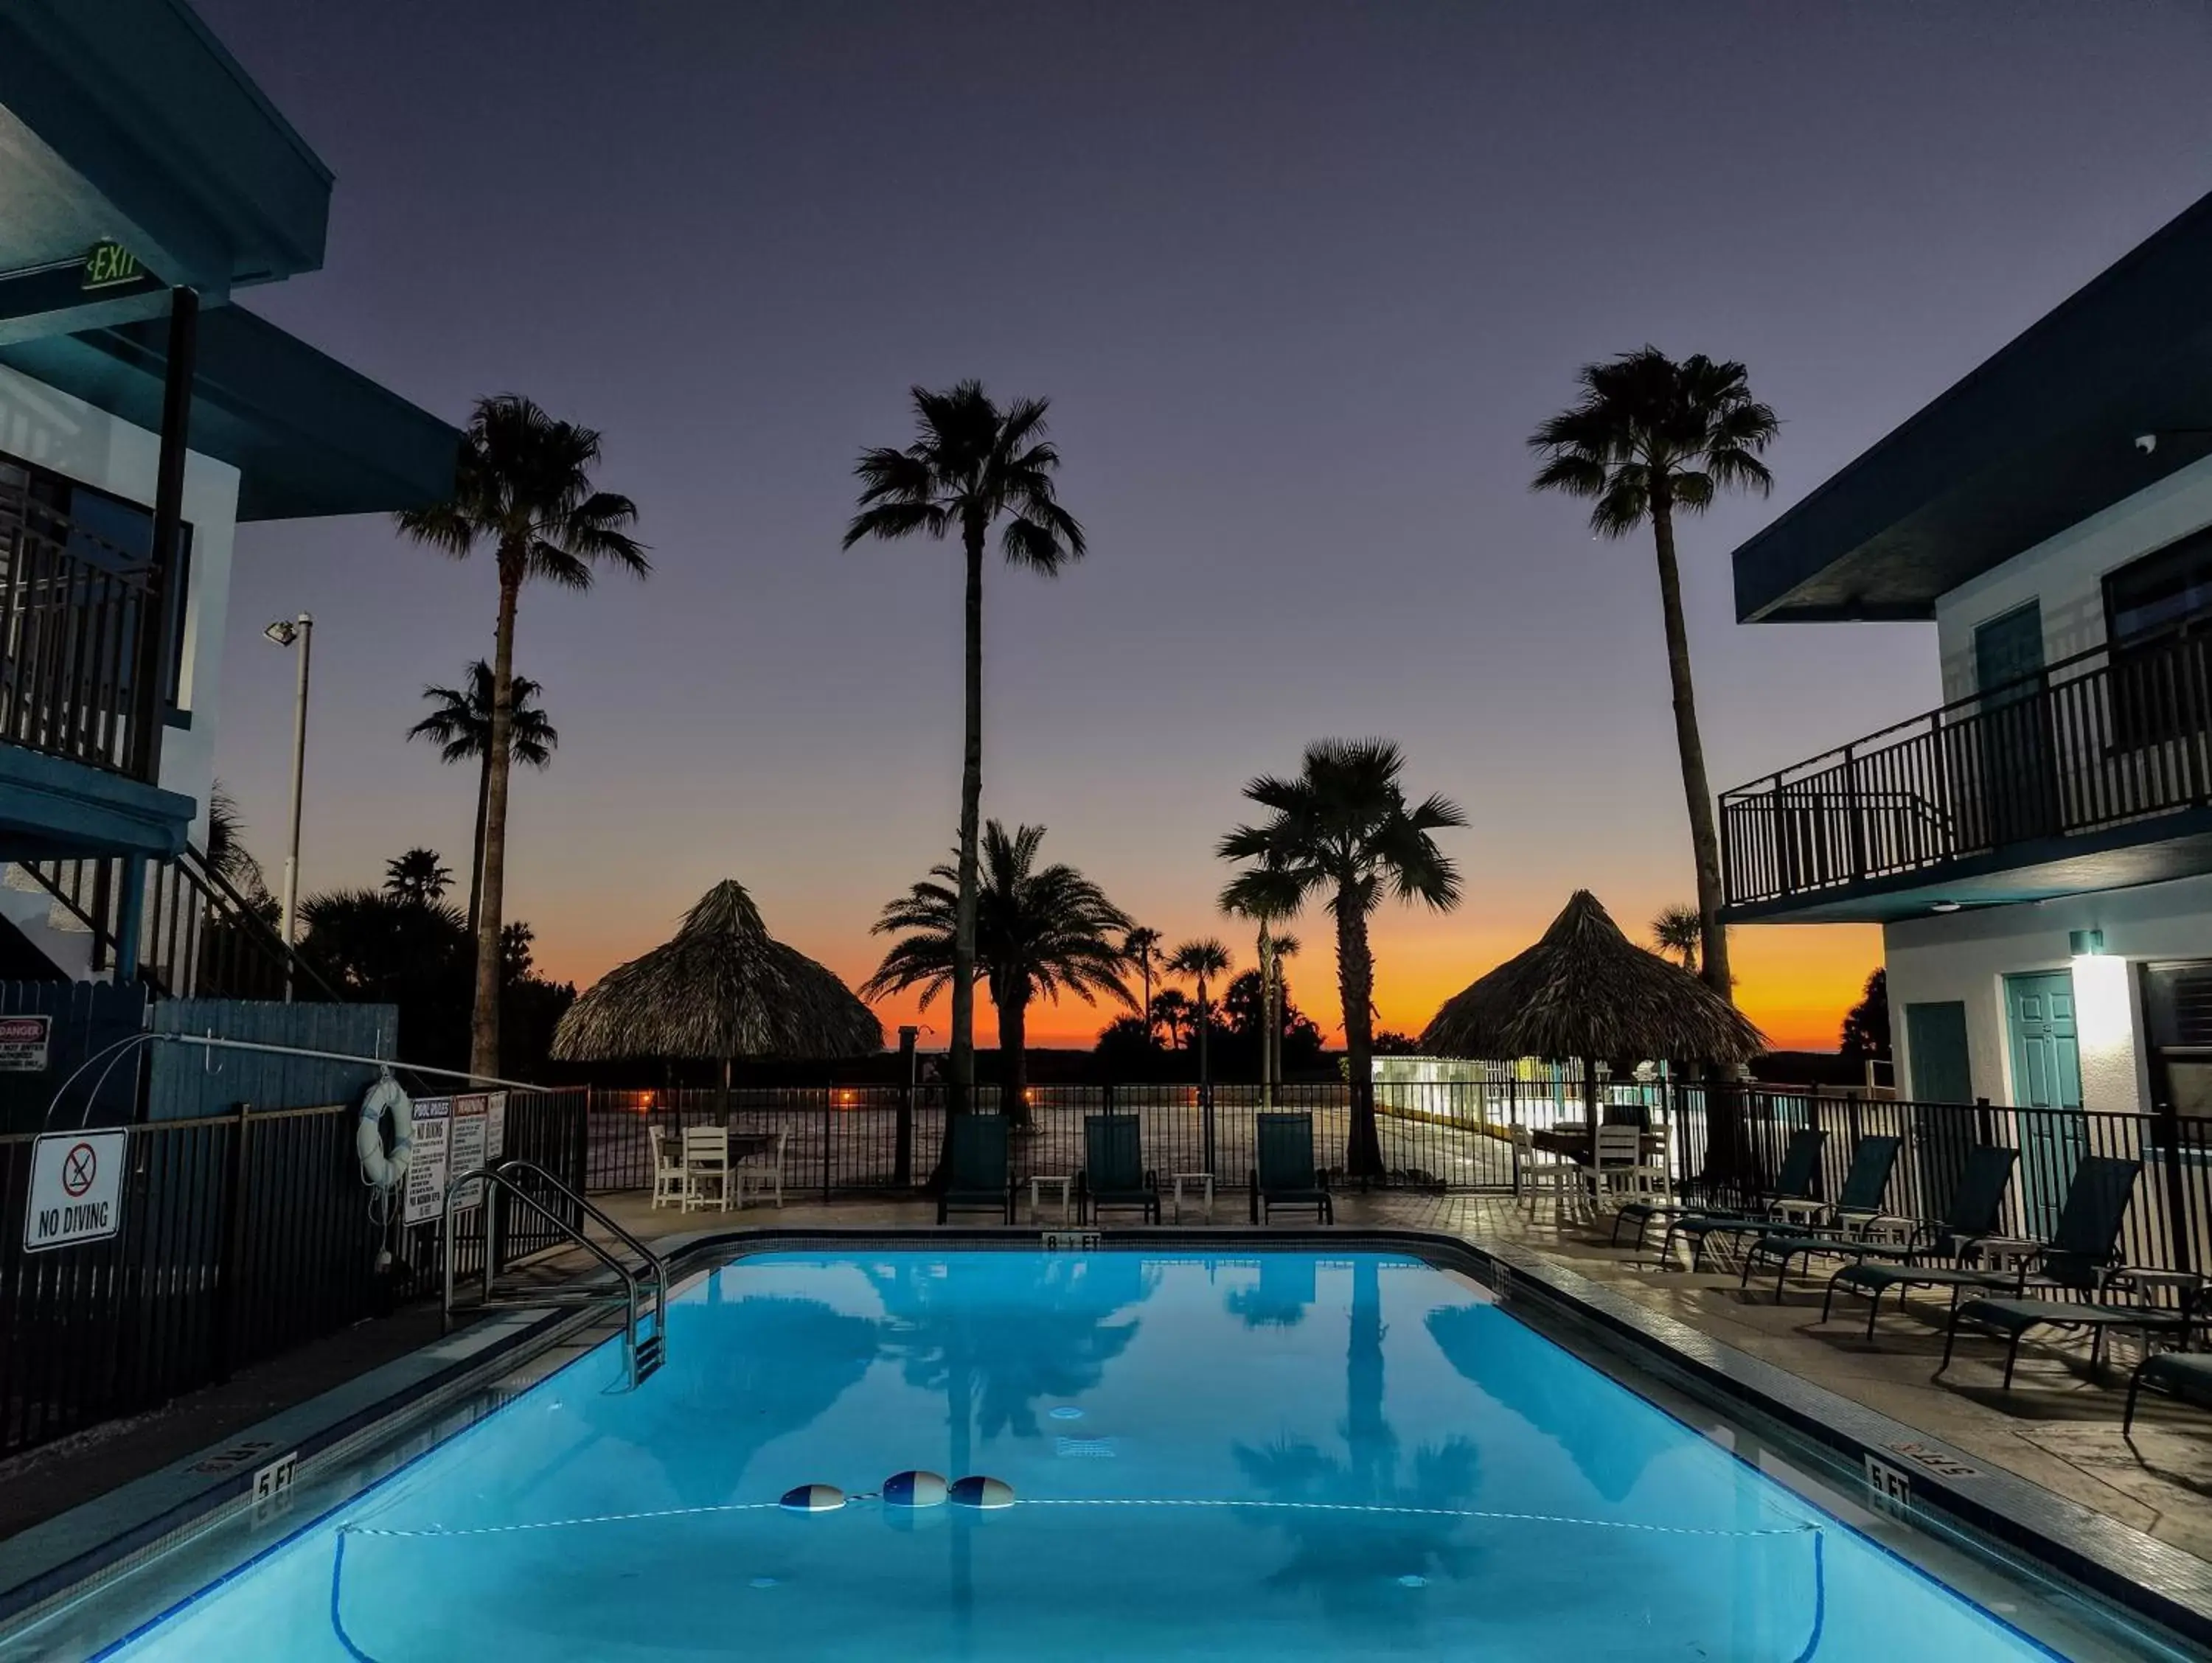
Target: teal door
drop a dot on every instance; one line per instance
(1935, 1041)
(2046, 1090)
(2019, 795)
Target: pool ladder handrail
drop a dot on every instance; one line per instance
(644, 1350)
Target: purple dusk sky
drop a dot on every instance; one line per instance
(1298, 279)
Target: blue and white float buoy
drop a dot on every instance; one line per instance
(915, 1489)
(978, 1491)
(813, 1498)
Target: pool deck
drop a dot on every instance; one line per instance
(2059, 1427)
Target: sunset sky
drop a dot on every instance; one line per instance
(1298, 279)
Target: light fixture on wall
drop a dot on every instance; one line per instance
(1944, 906)
(2085, 943)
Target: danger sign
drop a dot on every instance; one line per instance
(77, 1188)
(24, 1044)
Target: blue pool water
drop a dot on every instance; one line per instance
(1276, 1458)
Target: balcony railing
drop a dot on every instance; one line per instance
(2108, 738)
(79, 618)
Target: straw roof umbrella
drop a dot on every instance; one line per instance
(723, 988)
(1586, 993)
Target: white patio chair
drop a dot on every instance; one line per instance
(667, 1169)
(706, 1167)
(1543, 1173)
(762, 1172)
(1619, 1170)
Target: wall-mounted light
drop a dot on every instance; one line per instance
(1944, 906)
(2085, 943)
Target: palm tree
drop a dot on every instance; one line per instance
(1170, 1009)
(1040, 931)
(419, 875)
(1141, 946)
(1265, 897)
(1679, 931)
(460, 722)
(1342, 829)
(523, 487)
(227, 856)
(1202, 960)
(971, 466)
(1648, 437)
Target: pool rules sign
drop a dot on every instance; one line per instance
(77, 1188)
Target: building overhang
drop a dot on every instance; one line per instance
(2038, 438)
(52, 809)
(308, 436)
(125, 120)
(2123, 857)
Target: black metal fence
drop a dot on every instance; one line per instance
(2105, 738)
(241, 1235)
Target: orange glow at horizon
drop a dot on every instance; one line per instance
(1795, 982)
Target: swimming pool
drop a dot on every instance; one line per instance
(1275, 1456)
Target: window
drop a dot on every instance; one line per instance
(113, 533)
(2158, 647)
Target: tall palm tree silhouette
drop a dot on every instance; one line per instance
(972, 466)
(524, 489)
(459, 723)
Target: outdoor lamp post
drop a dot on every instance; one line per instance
(295, 632)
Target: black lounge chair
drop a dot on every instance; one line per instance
(979, 1177)
(2183, 1375)
(1801, 1170)
(2077, 1257)
(1285, 1176)
(2015, 1318)
(1857, 1210)
(1114, 1173)
(1972, 1214)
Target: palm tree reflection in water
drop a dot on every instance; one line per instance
(1046, 1330)
(1353, 1563)
(1288, 1285)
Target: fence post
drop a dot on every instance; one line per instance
(903, 1154)
(230, 1304)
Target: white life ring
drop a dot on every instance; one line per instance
(378, 1167)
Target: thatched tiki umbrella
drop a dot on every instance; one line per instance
(1587, 994)
(723, 988)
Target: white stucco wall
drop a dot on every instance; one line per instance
(2065, 572)
(70, 437)
(1965, 956)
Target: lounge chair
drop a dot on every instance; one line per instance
(1858, 1210)
(1114, 1173)
(979, 1178)
(1971, 1217)
(1285, 1176)
(2077, 1257)
(1800, 1163)
(2078, 1260)
(2183, 1375)
(1793, 1185)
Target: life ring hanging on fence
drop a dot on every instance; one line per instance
(377, 1168)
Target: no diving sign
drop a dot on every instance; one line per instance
(77, 1188)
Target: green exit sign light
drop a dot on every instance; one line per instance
(111, 265)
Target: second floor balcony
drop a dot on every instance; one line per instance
(2095, 773)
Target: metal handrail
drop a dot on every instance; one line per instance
(504, 1179)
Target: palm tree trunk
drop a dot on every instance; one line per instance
(475, 849)
(1705, 836)
(1014, 1061)
(1266, 1020)
(1355, 980)
(483, 1025)
(1148, 1001)
(971, 805)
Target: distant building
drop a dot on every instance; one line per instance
(144, 182)
(2037, 847)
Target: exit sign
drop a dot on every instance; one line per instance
(111, 265)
